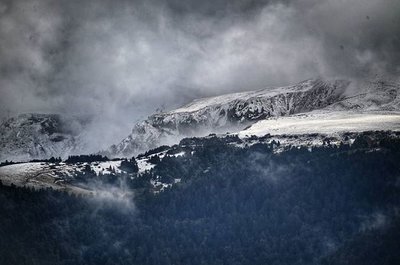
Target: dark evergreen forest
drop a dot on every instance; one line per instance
(331, 205)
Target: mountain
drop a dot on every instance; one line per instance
(35, 136)
(379, 94)
(234, 112)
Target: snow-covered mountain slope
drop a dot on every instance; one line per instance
(324, 122)
(234, 112)
(379, 95)
(35, 136)
(230, 112)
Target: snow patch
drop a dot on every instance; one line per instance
(324, 123)
(144, 165)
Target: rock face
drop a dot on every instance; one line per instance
(35, 136)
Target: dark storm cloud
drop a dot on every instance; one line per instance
(118, 61)
(360, 38)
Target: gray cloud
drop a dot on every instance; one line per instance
(118, 61)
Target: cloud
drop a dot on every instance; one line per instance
(119, 61)
(117, 196)
(27, 31)
(375, 221)
(360, 38)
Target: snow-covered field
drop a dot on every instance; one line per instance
(19, 174)
(61, 176)
(56, 176)
(325, 123)
(39, 175)
(104, 167)
(144, 164)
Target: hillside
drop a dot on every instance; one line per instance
(234, 202)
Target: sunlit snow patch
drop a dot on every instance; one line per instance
(324, 123)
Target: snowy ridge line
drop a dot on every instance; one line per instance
(202, 103)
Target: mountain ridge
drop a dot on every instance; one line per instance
(37, 135)
(236, 111)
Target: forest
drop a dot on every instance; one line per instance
(233, 205)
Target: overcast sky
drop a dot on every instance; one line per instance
(119, 60)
